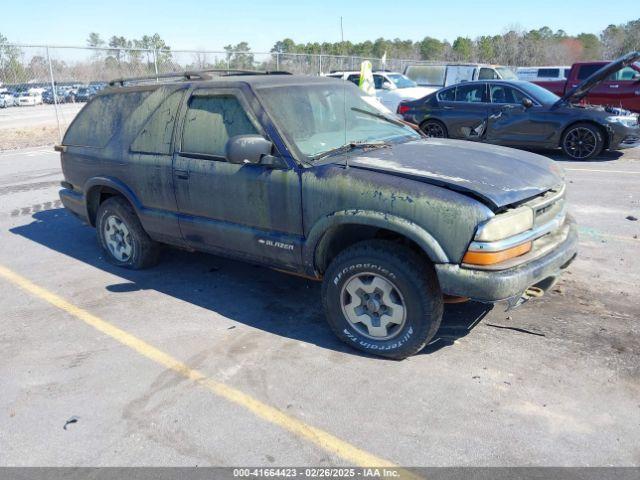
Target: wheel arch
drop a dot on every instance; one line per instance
(98, 189)
(335, 232)
(603, 129)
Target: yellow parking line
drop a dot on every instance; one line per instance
(322, 439)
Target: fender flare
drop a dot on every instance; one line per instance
(114, 184)
(370, 218)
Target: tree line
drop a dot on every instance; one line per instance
(542, 46)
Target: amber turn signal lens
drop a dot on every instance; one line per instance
(491, 258)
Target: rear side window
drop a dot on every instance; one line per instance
(211, 121)
(155, 136)
(470, 93)
(587, 70)
(101, 118)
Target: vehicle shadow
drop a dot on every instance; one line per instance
(605, 156)
(282, 304)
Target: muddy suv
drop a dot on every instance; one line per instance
(304, 175)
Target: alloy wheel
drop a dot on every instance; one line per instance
(118, 238)
(373, 306)
(434, 130)
(580, 142)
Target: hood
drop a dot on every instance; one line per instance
(577, 93)
(498, 176)
(413, 92)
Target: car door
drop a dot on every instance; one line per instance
(250, 211)
(620, 89)
(511, 123)
(465, 111)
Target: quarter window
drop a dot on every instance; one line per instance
(102, 118)
(448, 95)
(211, 121)
(156, 135)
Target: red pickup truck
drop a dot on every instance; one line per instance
(620, 88)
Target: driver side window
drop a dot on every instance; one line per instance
(625, 74)
(211, 121)
(503, 94)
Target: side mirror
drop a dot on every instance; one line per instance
(387, 86)
(243, 149)
(527, 103)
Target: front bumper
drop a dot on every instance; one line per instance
(496, 285)
(625, 137)
(74, 202)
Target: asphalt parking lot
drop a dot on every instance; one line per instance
(206, 361)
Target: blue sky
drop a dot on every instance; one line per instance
(212, 24)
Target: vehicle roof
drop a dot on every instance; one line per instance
(257, 81)
(498, 81)
(353, 72)
(544, 66)
(456, 64)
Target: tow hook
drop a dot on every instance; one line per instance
(533, 292)
(528, 294)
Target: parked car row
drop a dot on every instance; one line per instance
(39, 95)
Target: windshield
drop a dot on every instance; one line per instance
(542, 95)
(401, 81)
(317, 118)
(506, 73)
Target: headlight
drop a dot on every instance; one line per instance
(626, 121)
(506, 225)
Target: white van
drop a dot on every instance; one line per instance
(443, 75)
(533, 74)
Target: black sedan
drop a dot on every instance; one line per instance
(522, 114)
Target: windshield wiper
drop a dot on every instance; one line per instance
(347, 147)
(381, 116)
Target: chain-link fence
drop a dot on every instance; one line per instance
(61, 75)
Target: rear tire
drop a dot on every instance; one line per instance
(582, 141)
(122, 237)
(434, 129)
(382, 298)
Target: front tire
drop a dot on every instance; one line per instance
(122, 237)
(382, 298)
(582, 141)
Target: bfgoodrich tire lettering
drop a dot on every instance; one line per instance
(121, 236)
(382, 298)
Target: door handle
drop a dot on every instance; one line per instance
(614, 86)
(446, 107)
(181, 174)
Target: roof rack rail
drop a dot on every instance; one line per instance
(194, 75)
